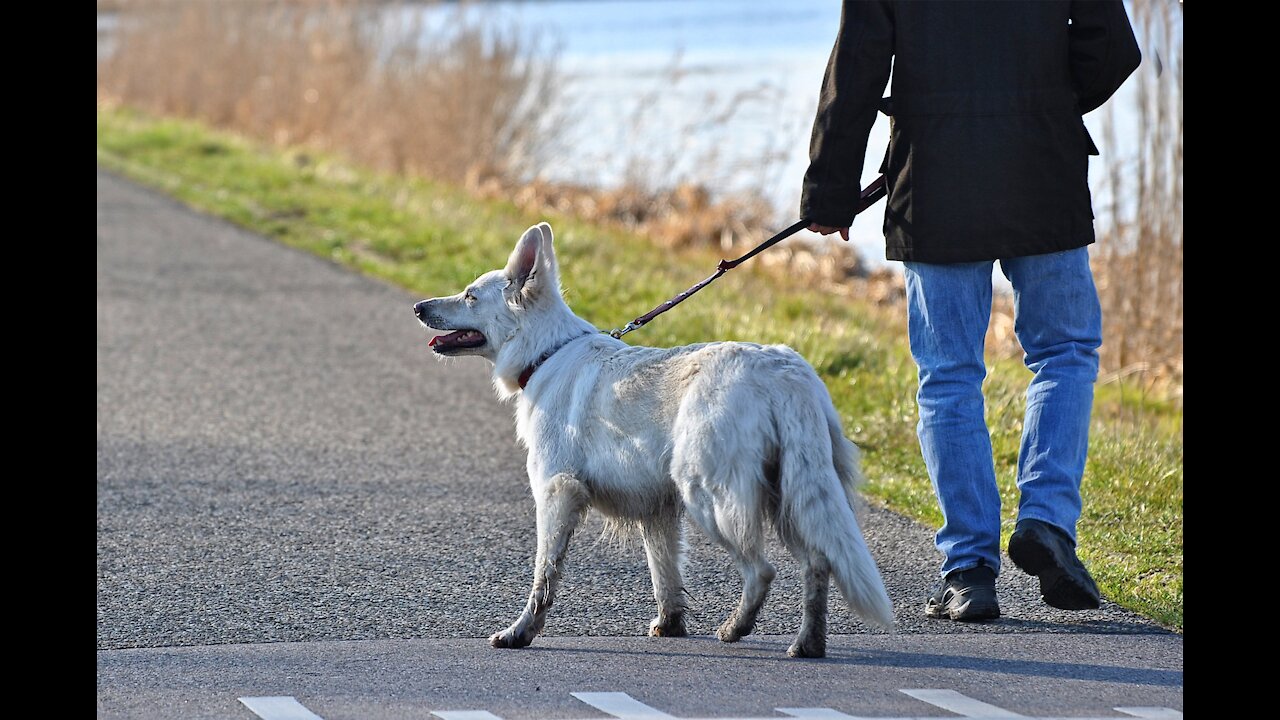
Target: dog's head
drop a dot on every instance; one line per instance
(491, 310)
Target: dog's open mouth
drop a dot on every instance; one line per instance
(457, 340)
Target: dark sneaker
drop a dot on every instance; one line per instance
(1047, 552)
(965, 595)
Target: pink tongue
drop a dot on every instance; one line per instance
(446, 338)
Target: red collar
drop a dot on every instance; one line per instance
(528, 371)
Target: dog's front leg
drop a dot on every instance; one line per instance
(561, 501)
(664, 545)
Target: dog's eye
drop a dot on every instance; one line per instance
(469, 298)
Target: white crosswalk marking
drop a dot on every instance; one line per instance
(1151, 713)
(815, 713)
(621, 705)
(278, 708)
(960, 704)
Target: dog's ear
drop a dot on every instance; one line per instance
(522, 266)
(550, 266)
(532, 265)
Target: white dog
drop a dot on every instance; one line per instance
(740, 436)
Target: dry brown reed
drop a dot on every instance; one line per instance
(378, 86)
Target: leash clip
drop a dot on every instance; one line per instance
(619, 332)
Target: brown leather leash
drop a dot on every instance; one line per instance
(867, 198)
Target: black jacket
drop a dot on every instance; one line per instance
(988, 155)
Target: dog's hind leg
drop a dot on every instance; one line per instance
(725, 524)
(757, 574)
(561, 502)
(664, 546)
(811, 641)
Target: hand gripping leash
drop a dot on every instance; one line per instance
(868, 197)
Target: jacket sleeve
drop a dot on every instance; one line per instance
(1103, 50)
(856, 75)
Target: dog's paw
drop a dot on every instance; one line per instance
(809, 649)
(731, 630)
(672, 626)
(728, 634)
(510, 639)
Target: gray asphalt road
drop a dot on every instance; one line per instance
(864, 675)
(281, 460)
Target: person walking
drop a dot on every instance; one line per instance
(988, 161)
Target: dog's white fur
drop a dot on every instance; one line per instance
(738, 435)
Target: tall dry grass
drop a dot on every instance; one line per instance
(377, 85)
(1138, 261)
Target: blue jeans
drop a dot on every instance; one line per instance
(1058, 320)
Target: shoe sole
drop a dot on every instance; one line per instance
(1057, 586)
(968, 612)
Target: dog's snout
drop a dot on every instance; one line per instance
(420, 309)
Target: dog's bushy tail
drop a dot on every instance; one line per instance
(819, 472)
